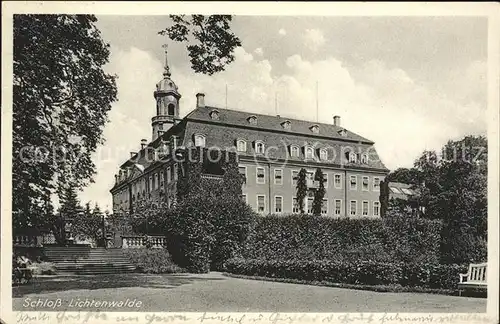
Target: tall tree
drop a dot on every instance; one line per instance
(212, 42)
(301, 189)
(61, 99)
(319, 176)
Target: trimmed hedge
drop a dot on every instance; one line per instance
(299, 237)
(152, 261)
(434, 276)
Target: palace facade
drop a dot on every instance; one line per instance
(271, 151)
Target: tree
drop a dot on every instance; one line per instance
(212, 41)
(89, 225)
(453, 189)
(61, 99)
(301, 189)
(320, 193)
(69, 210)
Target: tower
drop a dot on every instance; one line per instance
(167, 102)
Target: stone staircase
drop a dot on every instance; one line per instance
(84, 260)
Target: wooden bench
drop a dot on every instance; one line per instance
(475, 278)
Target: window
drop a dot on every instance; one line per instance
(295, 176)
(310, 178)
(278, 176)
(261, 203)
(376, 208)
(325, 177)
(278, 204)
(338, 181)
(294, 151)
(376, 184)
(365, 208)
(162, 179)
(174, 170)
(364, 158)
(244, 198)
(261, 175)
(309, 152)
(156, 184)
(324, 207)
(168, 175)
(314, 129)
(323, 154)
(150, 183)
(243, 173)
(286, 124)
(354, 207)
(199, 140)
(338, 207)
(241, 145)
(252, 120)
(365, 184)
(171, 109)
(259, 147)
(352, 157)
(173, 143)
(310, 205)
(353, 183)
(214, 114)
(342, 132)
(295, 206)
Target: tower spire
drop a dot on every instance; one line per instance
(166, 72)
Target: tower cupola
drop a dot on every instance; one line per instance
(167, 101)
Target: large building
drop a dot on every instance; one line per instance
(271, 151)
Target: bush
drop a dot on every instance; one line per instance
(353, 272)
(296, 237)
(44, 268)
(209, 222)
(152, 261)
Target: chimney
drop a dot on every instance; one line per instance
(132, 154)
(144, 143)
(200, 100)
(336, 120)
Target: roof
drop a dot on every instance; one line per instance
(230, 125)
(402, 190)
(273, 123)
(223, 133)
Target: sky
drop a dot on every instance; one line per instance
(407, 83)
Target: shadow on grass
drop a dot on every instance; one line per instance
(94, 282)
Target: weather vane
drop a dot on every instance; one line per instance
(167, 68)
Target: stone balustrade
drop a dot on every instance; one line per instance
(138, 242)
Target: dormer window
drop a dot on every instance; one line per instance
(352, 157)
(214, 114)
(314, 129)
(294, 151)
(309, 152)
(323, 154)
(342, 132)
(241, 145)
(364, 158)
(259, 147)
(252, 120)
(286, 125)
(173, 143)
(199, 140)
